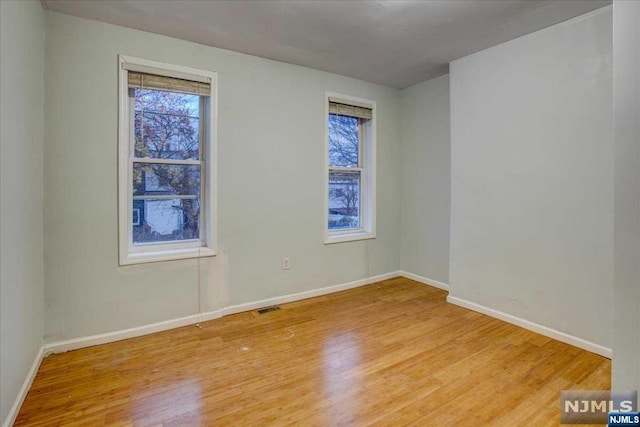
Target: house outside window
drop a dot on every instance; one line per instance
(350, 169)
(166, 162)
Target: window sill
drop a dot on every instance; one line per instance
(169, 255)
(348, 236)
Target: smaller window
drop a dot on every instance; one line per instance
(350, 170)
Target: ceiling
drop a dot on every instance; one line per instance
(394, 43)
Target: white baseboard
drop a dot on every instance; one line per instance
(22, 394)
(306, 294)
(535, 327)
(77, 343)
(425, 280)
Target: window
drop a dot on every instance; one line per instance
(166, 162)
(350, 171)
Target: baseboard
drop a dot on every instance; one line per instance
(532, 326)
(425, 280)
(77, 343)
(22, 394)
(307, 294)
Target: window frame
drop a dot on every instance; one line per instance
(366, 166)
(166, 251)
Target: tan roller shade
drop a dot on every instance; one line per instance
(350, 110)
(171, 84)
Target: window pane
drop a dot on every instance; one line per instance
(166, 124)
(159, 180)
(344, 200)
(343, 141)
(166, 220)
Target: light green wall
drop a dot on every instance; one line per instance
(532, 177)
(626, 82)
(426, 173)
(21, 235)
(270, 182)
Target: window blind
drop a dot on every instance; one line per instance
(350, 110)
(141, 80)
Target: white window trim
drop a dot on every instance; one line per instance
(128, 253)
(367, 228)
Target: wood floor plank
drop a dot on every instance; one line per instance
(389, 353)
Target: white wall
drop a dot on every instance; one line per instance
(270, 158)
(626, 83)
(532, 177)
(21, 146)
(425, 166)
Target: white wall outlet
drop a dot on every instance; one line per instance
(286, 264)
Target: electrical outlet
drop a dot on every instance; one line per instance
(286, 264)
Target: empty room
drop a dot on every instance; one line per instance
(319, 213)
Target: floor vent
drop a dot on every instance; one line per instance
(268, 309)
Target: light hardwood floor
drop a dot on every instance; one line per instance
(391, 353)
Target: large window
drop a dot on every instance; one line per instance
(166, 167)
(350, 177)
